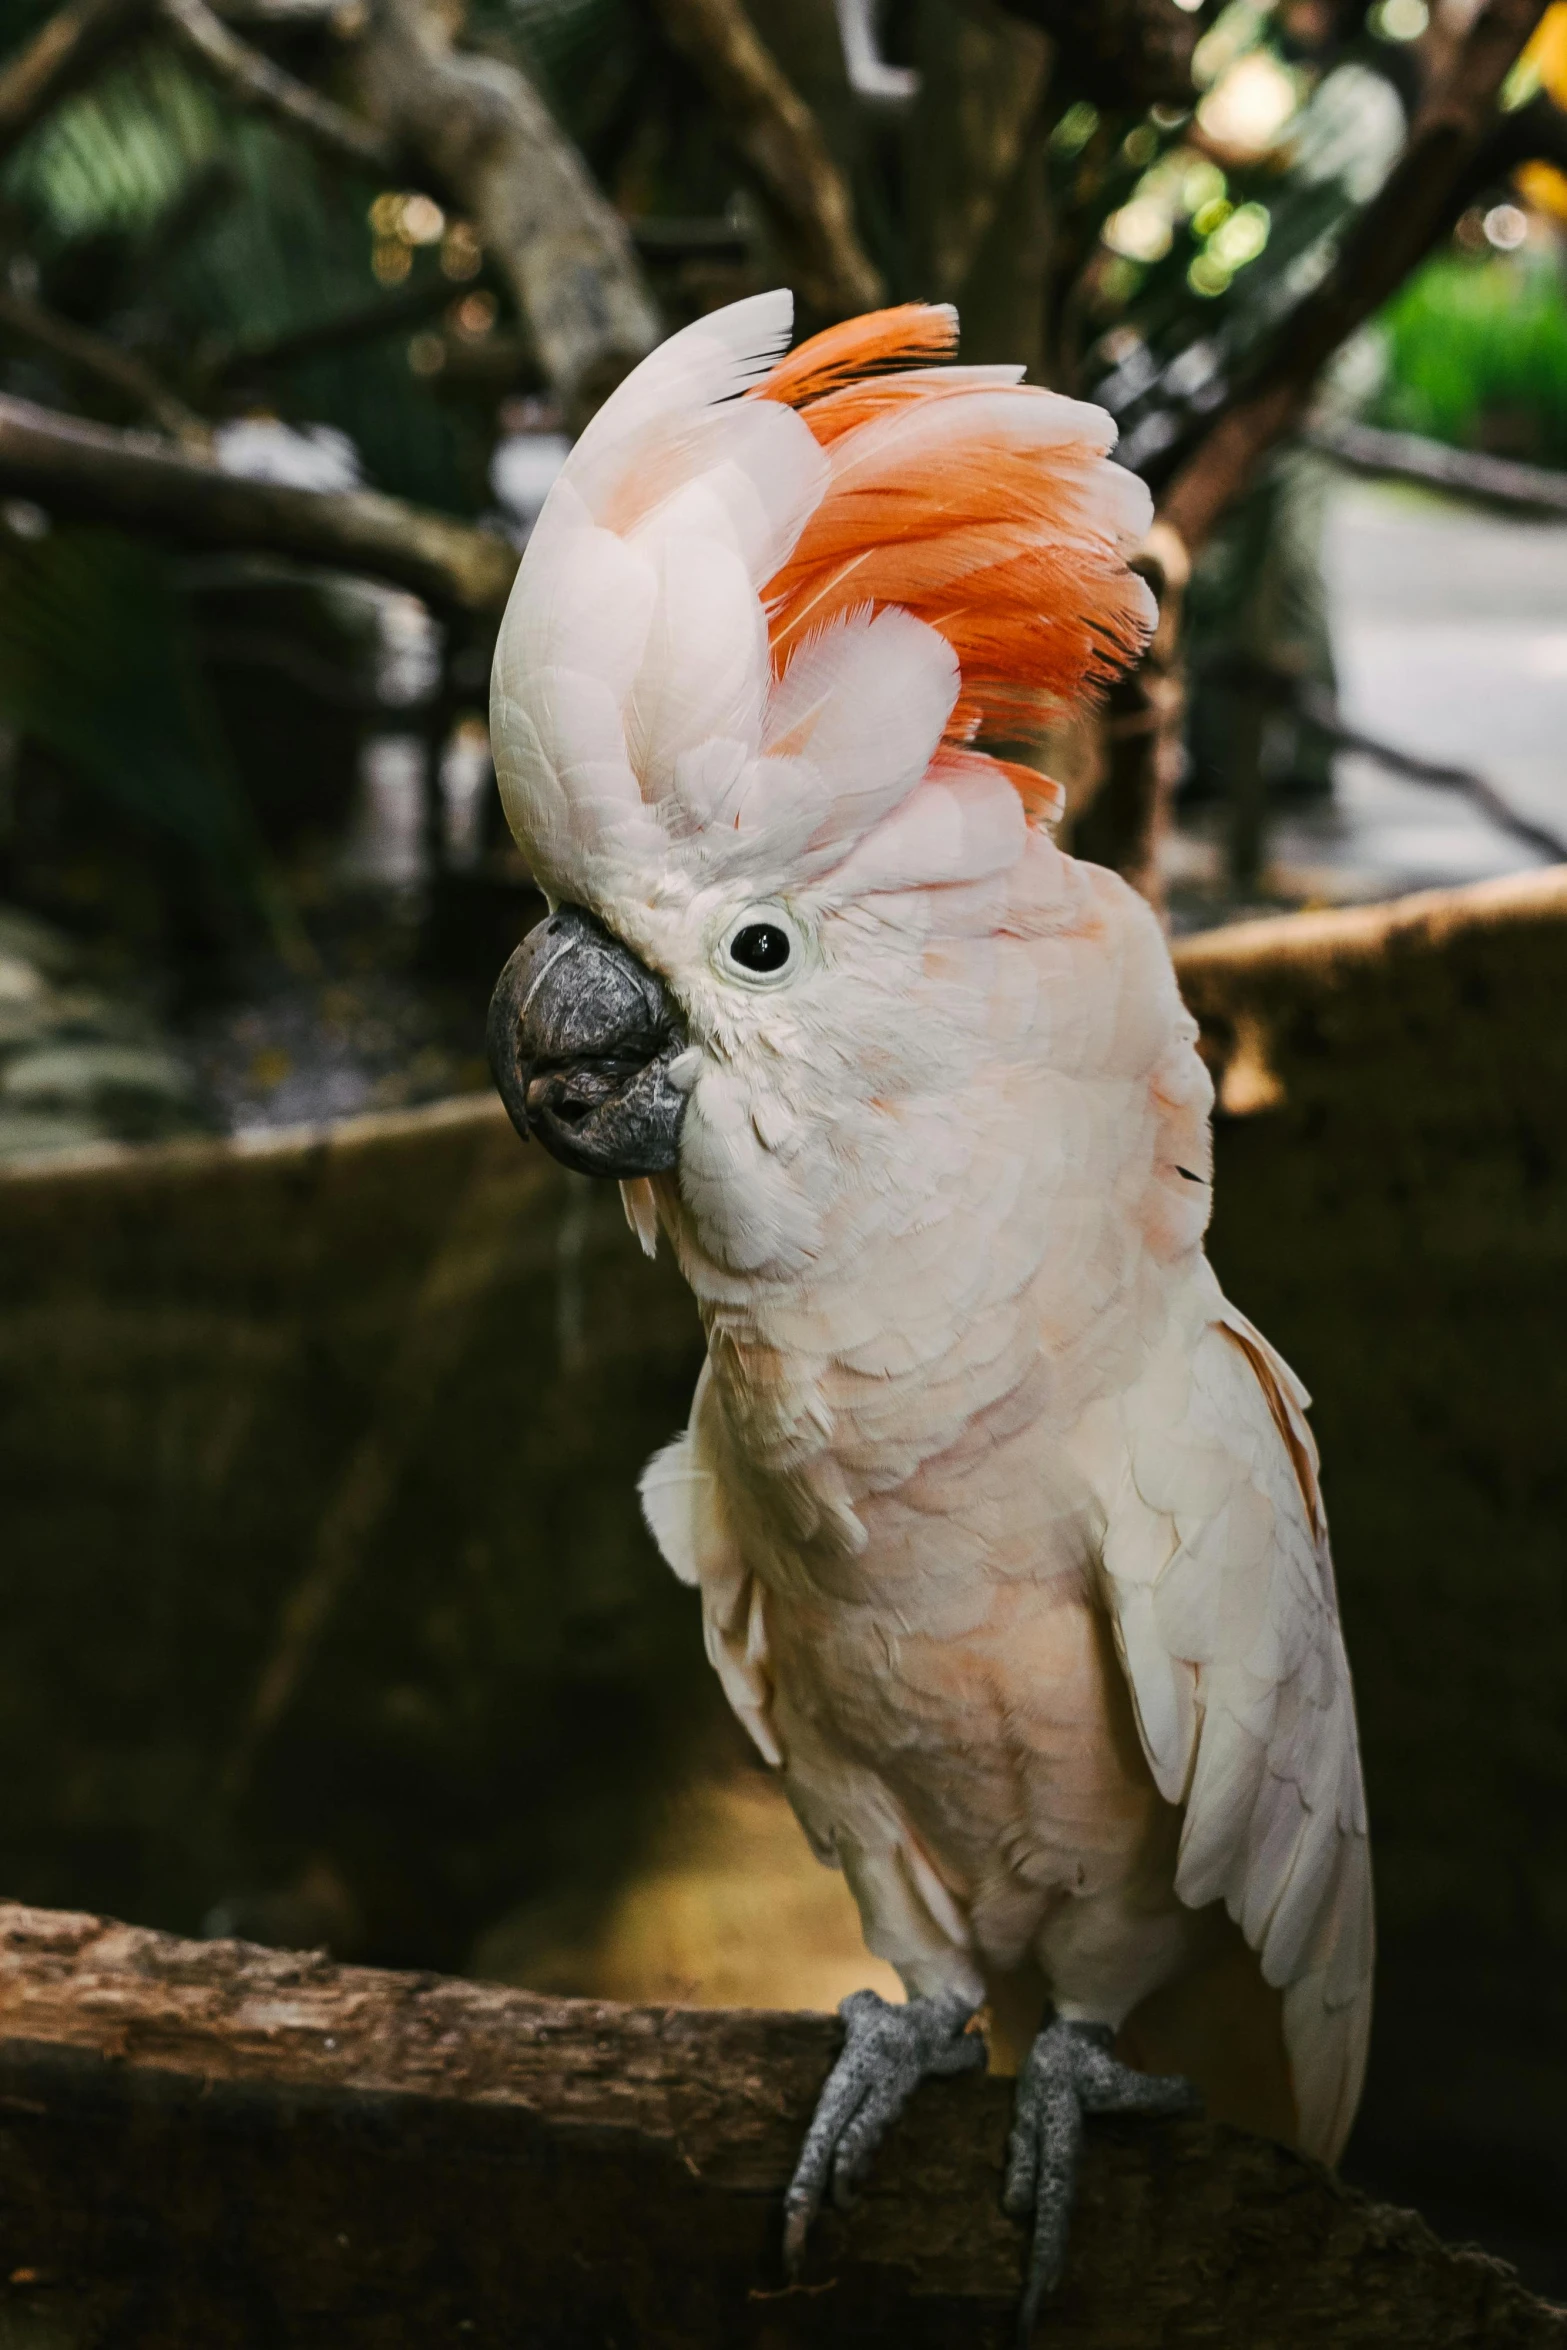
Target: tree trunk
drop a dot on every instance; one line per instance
(1123, 824)
(479, 129)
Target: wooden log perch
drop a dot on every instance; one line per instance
(214, 2144)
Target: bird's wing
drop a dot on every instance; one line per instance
(683, 1503)
(1220, 1585)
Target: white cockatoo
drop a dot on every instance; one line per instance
(1006, 1524)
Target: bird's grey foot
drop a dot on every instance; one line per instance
(887, 2053)
(1070, 2072)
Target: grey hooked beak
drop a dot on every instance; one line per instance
(581, 1038)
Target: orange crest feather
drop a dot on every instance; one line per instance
(909, 336)
(953, 495)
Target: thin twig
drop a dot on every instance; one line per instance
(1427, 186)
(1465, 473)
(659, 238)
(474, 127)
(105, 361)
(286, 15)
(1535, 132)
(366, 322)
(133, 481)
(76, 40)
(254, 81)
(1393, 234)
(1323, 712)
(1281, 688)
(778, 136)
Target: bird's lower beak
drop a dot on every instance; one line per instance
(582, 1038)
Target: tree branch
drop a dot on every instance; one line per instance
(776, 133)
(1322, 711)
(1278, 687)
(482, 132)
(254, 81)
(104, 361)
(1394, 233)
(1123, 824)
(59, 56)
(130, 481)
(472, 125)
(1465, 473)
(68, 48)
(194, 2131)
(285, 15)
(1535, 132)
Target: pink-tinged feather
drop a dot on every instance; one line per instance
(1006, 1526)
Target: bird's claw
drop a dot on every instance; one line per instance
(1070, 2072)
(887, 2052)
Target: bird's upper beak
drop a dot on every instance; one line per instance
(582, 1037)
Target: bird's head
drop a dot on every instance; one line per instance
(772, 613)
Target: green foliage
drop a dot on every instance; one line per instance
(1127, 253)
(157, 216)
(97, 665)
(1477, 355)
(591, 58)
(1199, 264)
(156, 211)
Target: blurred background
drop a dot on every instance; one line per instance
(327, 1615)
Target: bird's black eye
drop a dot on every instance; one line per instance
(761, 947)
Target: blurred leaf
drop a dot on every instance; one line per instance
(96, 664)
(1477, 355)
(109, 191)
(1197, 264)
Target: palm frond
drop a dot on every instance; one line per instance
(97, 665)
